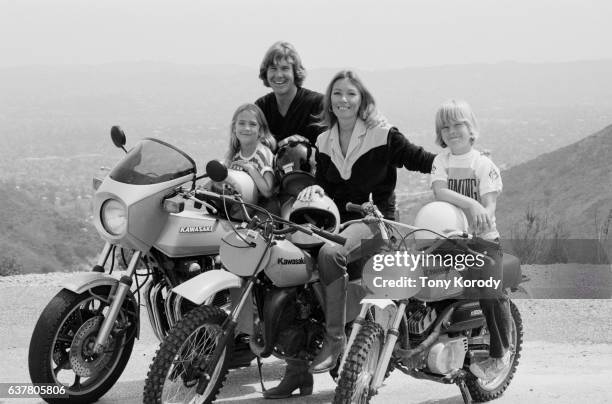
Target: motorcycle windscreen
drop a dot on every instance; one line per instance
(152, 161)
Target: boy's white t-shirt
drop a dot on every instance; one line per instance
(471, 174)
(262, 158)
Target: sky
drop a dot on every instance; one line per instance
(365, 34)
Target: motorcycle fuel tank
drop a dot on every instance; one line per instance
(288, 265)
(191, 233)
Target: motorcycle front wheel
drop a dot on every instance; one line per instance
(61, 348)
(482, 391)
(361, 362)
(174, 374)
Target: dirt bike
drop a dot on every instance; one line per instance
(280, 293)
(85, 335)
(427, 334)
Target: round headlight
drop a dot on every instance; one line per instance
(114, 217)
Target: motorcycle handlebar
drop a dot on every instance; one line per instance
(353, 207)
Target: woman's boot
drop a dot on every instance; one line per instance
(296, 377)
(335, 318)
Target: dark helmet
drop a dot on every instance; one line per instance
(295, 166)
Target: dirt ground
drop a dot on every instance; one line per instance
(566, 358)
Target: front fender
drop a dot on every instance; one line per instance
(83, 282)
(89, 280)
(206, 285)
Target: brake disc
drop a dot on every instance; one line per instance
(84, 361)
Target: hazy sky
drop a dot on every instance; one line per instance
(366, 34)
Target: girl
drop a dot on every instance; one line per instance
(466, 178)
(250, 147)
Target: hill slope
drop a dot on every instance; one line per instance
(35, 237)
(572, 184)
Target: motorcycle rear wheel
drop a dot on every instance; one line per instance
(361, 362)
(482, 391)
(60, 348)
(173, 373)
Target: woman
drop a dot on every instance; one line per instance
(353, 162)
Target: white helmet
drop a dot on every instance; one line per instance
(321, 212)
(243, 184)
(441, 217)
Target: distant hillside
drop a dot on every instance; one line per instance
(572, 185)
(35, 237)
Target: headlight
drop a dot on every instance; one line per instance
(114, 217)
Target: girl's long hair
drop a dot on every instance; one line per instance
(327, 118)
(264, 135)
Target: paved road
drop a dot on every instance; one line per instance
(567, 356)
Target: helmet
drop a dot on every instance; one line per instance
(242, 183)
(295, 166)
(441, 217)
(321, 212)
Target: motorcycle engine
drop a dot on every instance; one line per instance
(447, 354)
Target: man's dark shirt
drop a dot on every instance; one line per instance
(300, 118)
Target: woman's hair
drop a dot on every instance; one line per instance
(264, 136)
(327, 118)
(455, 111)
(277, 53)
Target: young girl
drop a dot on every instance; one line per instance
(250, 147)
(466, 178)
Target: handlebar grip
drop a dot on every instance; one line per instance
(353, 207)
(336, 238)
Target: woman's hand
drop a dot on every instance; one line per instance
(292, 138)
(307, 194)
(481, 220)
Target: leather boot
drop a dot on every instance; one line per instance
(335, 318)
(296, 377)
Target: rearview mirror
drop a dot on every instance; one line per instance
(118, 137)
(216, 170)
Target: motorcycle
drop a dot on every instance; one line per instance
(85, 335)
(427, 333)
(281, 299)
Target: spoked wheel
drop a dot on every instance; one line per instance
(356, 376)
(482, 391)
(175, 372)
(61, 349)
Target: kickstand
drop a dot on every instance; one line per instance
(263, 389)
(465, 393)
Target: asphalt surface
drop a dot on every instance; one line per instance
(566, 358)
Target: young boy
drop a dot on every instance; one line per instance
(468, 179)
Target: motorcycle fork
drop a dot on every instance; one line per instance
(228, 327)
(387, 351)
(116, 301)
(357, 323)
(99, 267)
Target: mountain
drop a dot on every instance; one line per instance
(571, 185)
(36, 236)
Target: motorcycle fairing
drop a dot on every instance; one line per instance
(143, 229)
(199, 288)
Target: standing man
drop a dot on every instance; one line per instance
(292, 113)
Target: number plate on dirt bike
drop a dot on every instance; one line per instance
(242, 250)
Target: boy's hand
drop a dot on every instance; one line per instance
(481, 220)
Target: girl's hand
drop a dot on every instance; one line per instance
(247, 166)
(308, 194)
(481, 220)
